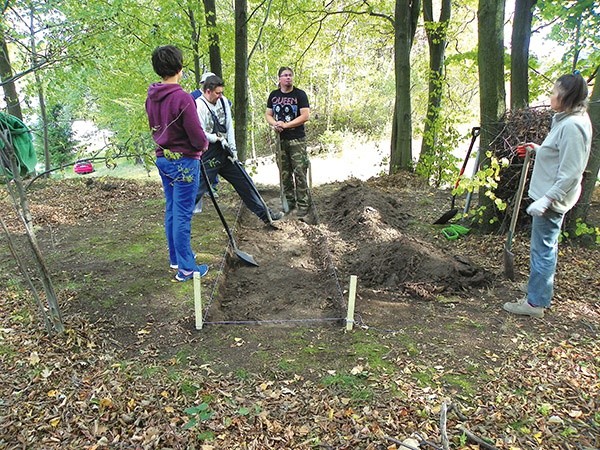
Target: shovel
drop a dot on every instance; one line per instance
(245, 257)
(509, 257)
(238, 164)
(448, 215)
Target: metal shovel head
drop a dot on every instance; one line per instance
(509, 263)
(247, 258)
(446, 217)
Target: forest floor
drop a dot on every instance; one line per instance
(431, 354)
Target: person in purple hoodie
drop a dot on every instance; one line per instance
(180, 141)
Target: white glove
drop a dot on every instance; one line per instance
(539, 207)
(233, 157)
(222, 140)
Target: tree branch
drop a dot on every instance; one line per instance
(257, 41)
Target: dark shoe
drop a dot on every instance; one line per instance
(309, 218)
(276, 215)
(301, 212)
(181, 276)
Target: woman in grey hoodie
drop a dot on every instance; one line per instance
(555, 187)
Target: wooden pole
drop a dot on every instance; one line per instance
(198, 300)
(351, 302)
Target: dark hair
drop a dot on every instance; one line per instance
(212, 82)
(167, 61)
(283, 69)
(572, 92)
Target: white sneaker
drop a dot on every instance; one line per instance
(198, 208)
(522, 308)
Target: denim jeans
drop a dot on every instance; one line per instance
(216, 163)
(545, 231)
(180, 184)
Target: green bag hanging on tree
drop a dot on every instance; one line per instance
(17, 133)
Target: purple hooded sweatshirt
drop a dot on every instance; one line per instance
(174, 121)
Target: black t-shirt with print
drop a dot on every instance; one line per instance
(286, 107)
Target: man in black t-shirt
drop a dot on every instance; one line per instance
(287, 111)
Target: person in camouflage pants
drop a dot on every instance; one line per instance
(292, 161)
(287, 112)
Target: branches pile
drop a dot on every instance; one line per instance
(520, 126)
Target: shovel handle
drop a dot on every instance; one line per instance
(518, 197)
(216, 205)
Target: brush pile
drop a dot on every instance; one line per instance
(519, 126)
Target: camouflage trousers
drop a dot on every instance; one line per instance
(292, 160)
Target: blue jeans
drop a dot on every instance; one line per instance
(180, 184)
(545, 231)
(216, 163)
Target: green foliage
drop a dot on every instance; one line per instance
(574, 26)
(486, 180)
(61, 144)
(439, 167)
(98, 63)
(583, 230)
(197, 414)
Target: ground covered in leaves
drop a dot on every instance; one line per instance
(431, 353)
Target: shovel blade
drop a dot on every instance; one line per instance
(245, 257)
(509, 264)
(446, 217)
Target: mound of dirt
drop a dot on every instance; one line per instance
(384, 254)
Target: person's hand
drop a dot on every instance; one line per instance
(539, 207)
(233, 157)
(522, 149)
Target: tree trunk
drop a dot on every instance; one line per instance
(240, 105)
(590, 176)
(195, 46)
(52, 317)
(214, 50)
(40, 89)
(436, 37)
(405, 24)
(492, 101)
(11, 98)
(519, 54)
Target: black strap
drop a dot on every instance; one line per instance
(216, 124)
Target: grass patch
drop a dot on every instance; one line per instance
(425, 377)
(408, 343)
(460, 381)
(373, 353)
(353, 386)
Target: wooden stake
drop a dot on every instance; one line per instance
(198, 300)
(351, 302)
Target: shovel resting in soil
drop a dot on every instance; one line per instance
(509, 257)
(245, 257)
